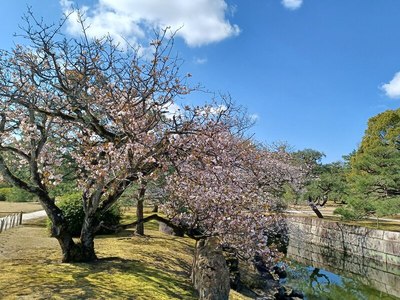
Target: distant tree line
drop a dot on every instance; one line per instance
(367, 182)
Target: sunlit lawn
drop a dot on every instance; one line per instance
(153, 267)
(130, 267)
(13, 207)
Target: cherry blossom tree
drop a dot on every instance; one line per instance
(227, 188)
(104, 112)
(89, 104)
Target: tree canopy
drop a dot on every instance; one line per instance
(373, 176)
(83, 106)
(375, 167)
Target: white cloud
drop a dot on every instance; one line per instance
(200, 60)
(172, 110)
(200, 22)
(392, 89)
(292, 4)
(254, 117)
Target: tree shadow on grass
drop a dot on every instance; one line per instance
(109, 278)
(145, 281)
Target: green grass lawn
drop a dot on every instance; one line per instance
(156, 266)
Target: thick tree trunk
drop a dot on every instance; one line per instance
(71, 251)
(139, 209)
(88, 232)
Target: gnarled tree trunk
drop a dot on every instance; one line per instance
(71, 251)
(88, 232)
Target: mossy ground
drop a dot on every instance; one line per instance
(156, 266)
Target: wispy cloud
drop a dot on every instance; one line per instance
(200, 60)
(392, 89)
(200, 22)
(254, 117)
(292, 4)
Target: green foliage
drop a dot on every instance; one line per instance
(71, 206)
(374, 175)
(14, 194)
(4, 184)
(375, 167)
(330, 184)
(289, 195)
(347, 213)
(359, 208)
(4, 192)
(311, 160)
(387, 207)
(64, 188)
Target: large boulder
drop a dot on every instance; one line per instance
(164, 228)
(210, 274)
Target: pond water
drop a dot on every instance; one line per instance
(318, 266)
(321, 284)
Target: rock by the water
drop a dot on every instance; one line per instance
(210, 273)
(287, 293)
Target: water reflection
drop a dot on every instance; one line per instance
(334, 275)
(317, 283)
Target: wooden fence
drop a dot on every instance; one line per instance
(10, 221)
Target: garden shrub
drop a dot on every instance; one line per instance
(358, 208)
(19, 195)
(4, 192)
(71, 206)
(388, 207)
(347, 213)
(14, 194)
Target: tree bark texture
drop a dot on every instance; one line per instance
(82, 251)
(139, 209)
(314, 208)
(89, 228)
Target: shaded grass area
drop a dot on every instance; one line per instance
(153, 267)
(156, 266)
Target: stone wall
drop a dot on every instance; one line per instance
(374, 255)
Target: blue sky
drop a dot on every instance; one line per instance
(312, 72)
